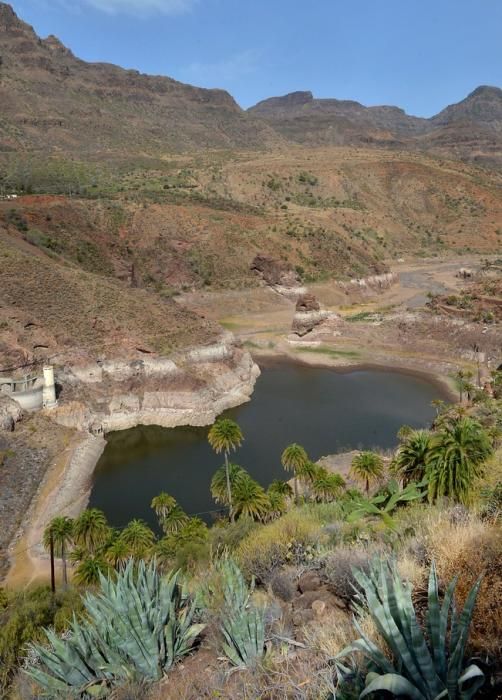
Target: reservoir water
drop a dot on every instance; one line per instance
(324, 410)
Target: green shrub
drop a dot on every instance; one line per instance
(262, 552)
(23, 617)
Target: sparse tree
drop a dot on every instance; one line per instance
(60, 532)
(226, 436)
(293, 459)
(456, 457)
(367, 467)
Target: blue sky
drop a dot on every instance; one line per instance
(418, 54)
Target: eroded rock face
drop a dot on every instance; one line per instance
(372, 284)
(191, 389)
(310, 315)
(307, 303)
(275, 272)
(10, 413)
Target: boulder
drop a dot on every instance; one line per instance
(309, 315)
(309, 581)
(10, 413)
(319, 608)
(307, 303)
(307, 599)
(274, 272)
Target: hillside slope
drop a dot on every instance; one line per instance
(49, 308)
(50, 99)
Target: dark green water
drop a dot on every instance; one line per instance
(324, 410)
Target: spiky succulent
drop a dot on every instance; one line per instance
(420, 670)
(242, 622)
(137, 626)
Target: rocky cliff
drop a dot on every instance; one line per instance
(191, 388)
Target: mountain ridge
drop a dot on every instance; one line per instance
(56, 102)
(470, 129)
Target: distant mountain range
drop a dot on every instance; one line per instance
(470, 129)
(52, 101)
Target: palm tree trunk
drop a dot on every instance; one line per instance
(229, 489)
(367, 486)
(53, 576)
(296, 489)
(65, 573)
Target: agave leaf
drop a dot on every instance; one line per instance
(471, 672)
(394, 684)
(136, 627)
(459, 640)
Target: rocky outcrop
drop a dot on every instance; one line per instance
(309, 315)
(10, 413)
(191, 389)
(278, 274)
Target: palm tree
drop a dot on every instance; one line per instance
(162, 505)
(219, 483)
(439, 405)
(367, 467)
(118, 553)
(138, 537)
(293, 459)
(460, 382)
(404, 432)
(226, 436)
(276, 503)
(171, 515)
(411, 458)
(456, 457)
(91, 529)
(308, 472)
(59, 534)
(326, 487)
(88, 571)
(281, 487)
(175, 521)
(250, 498)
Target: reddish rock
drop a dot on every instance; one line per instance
(309, 581)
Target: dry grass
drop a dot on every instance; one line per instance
(470, 550)
(267, 549)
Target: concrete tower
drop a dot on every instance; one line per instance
(49, 390)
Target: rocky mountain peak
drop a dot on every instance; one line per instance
(9, 21)
(56, 45)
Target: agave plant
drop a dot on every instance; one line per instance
(242, 623)
(135, 629)
(382, 505)
(421, 670)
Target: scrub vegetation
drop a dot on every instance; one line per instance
(386, 581)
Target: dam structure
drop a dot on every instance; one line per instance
(32, 392)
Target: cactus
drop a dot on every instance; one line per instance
(136, 628)
(421, 671)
